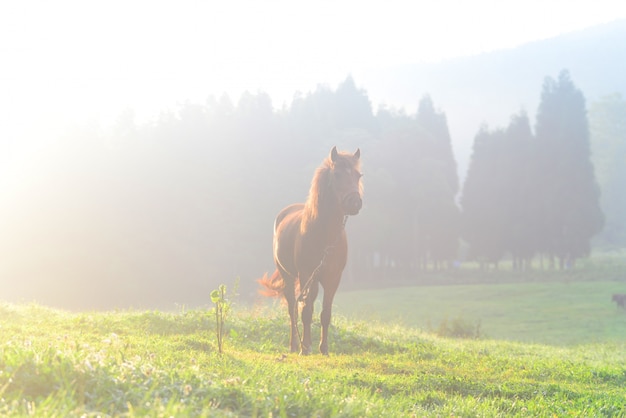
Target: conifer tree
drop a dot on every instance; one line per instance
(435, 125)
(437, 215)
(571, 213)
(607, 118)
(484, 216)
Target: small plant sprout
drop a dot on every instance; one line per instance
(222, 305)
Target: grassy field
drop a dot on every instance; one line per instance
(54, 363)
(557, 313)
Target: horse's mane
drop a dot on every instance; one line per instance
(320, 184)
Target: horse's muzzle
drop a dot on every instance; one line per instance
(352, 203)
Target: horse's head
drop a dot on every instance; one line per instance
(345, 177)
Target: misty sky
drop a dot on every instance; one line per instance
(66, 61)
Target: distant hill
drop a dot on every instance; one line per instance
(490, 87)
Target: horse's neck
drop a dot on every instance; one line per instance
(328, 222)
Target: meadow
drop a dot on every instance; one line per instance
(561, 313)
(385, 359)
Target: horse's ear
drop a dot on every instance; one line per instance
(333, 154)
(357, 153)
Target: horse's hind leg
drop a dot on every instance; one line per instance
(292, 306)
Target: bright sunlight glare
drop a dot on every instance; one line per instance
(73, 60)
(71, 70)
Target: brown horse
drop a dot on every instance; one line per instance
(620, 299)
(310, 245)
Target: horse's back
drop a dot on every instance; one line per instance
(289, 210)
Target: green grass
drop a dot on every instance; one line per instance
(54, 363)
(558, 313)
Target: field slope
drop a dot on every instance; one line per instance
(54, 363)
(550, 312)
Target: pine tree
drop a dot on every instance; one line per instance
(484, 198)
(521, 202)
(607, 119)
(352, 109)
(435, 125)
(437, 215)
(571, 214)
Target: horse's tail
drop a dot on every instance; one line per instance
(272, 286)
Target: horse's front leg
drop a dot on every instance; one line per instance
(307, 318)
(327, 307)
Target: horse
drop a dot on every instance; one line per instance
(311, 248)
(620, 299)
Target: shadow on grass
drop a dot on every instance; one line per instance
(263, 331)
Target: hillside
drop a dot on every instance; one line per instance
(489, 88)
(165, 364)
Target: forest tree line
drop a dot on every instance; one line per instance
(172, 207)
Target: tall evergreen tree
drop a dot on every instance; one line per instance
(352, 109)
(607, 118)
(413, 188)
(521, 200)
(439, 143)
(571, 213)
(437, 215)
(483, 202)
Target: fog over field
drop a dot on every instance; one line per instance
(145, 149)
